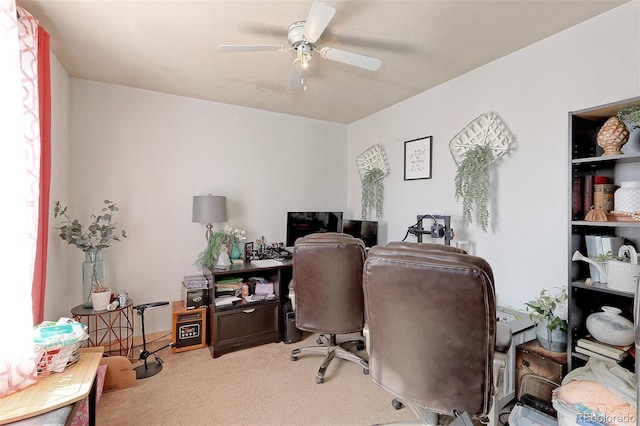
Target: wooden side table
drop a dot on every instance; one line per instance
(531, 358)
(111, 329)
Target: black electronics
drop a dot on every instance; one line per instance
(366, 230)
(195, 297)
(291, 333)
(189, 328)
(300, 224)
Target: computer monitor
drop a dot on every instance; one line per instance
(366, 230)
(300, 224)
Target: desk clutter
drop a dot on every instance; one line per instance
(253, 289)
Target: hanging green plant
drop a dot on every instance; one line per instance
(372, 192)
(472, 184)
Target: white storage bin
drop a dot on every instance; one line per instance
(522, 415)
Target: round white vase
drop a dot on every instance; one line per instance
(627, 197)
(101, 300)
(610, 327)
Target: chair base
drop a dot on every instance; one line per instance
(332, 350)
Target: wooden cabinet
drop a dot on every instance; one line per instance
(586, 163)
(243, 325)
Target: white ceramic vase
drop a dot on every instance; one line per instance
(101, 300)
(627, 197)
(610, 327)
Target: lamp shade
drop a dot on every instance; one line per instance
(209, 209)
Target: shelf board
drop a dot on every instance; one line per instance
(624, 158)
(602, 288)
(607, 224)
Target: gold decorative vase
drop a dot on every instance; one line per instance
(612, 135)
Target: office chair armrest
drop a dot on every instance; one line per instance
(292, 295)
(365, 333)
(503, 337)
(503, 344)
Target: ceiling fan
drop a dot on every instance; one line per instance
(303, 37)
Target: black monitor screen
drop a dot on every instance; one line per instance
(366, 230)
(300, 224)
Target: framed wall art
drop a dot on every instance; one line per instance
(248, 250)
(417, 158)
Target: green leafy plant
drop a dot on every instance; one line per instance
(230, 235)
(552, 309)
(372, 192)
(631, 116)
(100, 232)
(472, 184)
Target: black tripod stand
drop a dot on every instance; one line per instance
(148, 370)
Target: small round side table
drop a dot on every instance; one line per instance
(111, 329)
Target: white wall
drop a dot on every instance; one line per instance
(59, 287)
(532, 91)
(152, 152)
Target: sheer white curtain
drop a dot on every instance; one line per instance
(16, 211)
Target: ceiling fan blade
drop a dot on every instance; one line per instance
(296, 76)
(350, 58)
(251, 48)
(318, 19)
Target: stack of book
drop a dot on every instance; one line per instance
(228, 287)
(592, 347)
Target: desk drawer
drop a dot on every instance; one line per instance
(245, 326)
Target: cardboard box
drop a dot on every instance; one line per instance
(119, 374)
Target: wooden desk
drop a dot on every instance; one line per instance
(55, 391)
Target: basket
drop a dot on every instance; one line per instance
(59, 346)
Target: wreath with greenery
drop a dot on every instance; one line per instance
(372, 192)
(472, 184)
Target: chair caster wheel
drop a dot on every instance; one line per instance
(365, 371)
(397, 404)
(319, 340)
(294, 358)
(319, 380)
(360, 346)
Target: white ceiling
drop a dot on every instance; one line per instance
(170, 46)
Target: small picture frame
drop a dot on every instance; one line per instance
(248, 250)
(417, 158)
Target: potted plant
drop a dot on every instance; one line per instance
(99, 234)
(229, 237)
(549, 313)
(372, 192)
(630, 115)
(472, 184)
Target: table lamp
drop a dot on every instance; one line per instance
(209, 209)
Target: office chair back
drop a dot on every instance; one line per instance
(327, 271)
(432, 322)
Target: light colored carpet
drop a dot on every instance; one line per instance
(256, 386)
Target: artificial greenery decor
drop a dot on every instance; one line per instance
(100, 233)
(372, 192)
(552, 309)
(229, 236)
(631, 116)
(472, 184)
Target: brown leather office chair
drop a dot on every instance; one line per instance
(431, 329)
(327, 282)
